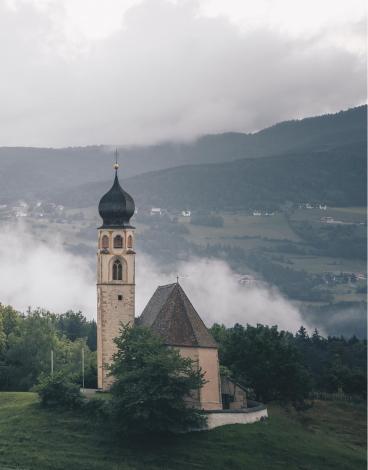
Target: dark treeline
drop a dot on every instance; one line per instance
(277, 365)
(26, 342)
(271, 364)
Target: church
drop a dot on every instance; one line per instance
(169, 312)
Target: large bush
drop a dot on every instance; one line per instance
(58, 390)
(152, 385)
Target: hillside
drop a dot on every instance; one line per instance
(330, 435)
(335, 177)
(40, 171)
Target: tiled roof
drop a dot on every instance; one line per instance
(171, 315)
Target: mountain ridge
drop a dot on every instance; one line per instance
(335, 177)
(23, 171)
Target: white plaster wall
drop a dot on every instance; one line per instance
(207, 359)
(221, 419)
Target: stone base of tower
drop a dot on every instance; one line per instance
(115, 309)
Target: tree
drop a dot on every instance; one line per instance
(73, 325)
(92, 335)
(28, 353)
(266, 361)
(29, 347)
(152, 385)
(302, 334)
(9, 319)
(2, 338)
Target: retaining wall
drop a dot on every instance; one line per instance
(252, 414)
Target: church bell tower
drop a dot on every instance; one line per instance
(115, 274)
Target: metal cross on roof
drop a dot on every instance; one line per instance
(116, 164)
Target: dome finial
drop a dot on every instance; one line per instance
(116, 164)
(116, 207)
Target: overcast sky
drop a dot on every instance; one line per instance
(80, 72)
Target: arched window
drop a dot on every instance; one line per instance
(105, 242)
(118, 241)
(130, 241)
(117, 271)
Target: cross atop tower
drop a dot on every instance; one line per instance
(116, 164)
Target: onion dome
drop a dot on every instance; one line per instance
(116, 207)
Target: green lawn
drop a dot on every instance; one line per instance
(329, 436)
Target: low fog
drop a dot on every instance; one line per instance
(214, 291)
(41, 273)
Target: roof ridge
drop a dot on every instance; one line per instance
(182, 300)
(166, 285)
(173, 317)
(174, 300)
(155, 304)
(186, 299)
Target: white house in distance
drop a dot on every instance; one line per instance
(156, 211)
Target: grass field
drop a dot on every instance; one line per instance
(265, 233)
(344, 214)
(328, 436)
(241, 224)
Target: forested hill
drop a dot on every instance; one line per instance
(43, 171)
(316, 133)
(335, 177)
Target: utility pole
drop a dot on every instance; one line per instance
(83, 368)
(52, 363)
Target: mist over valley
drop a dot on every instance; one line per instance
(270, 225)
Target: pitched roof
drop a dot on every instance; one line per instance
(171, 315)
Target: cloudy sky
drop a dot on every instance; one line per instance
(79, 72)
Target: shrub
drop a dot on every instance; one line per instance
(152, 385)
(97, 409)
(58, 390)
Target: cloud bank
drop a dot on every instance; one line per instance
(216, 294)
(41, 273)
(170, 70)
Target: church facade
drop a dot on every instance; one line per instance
(169, 313)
